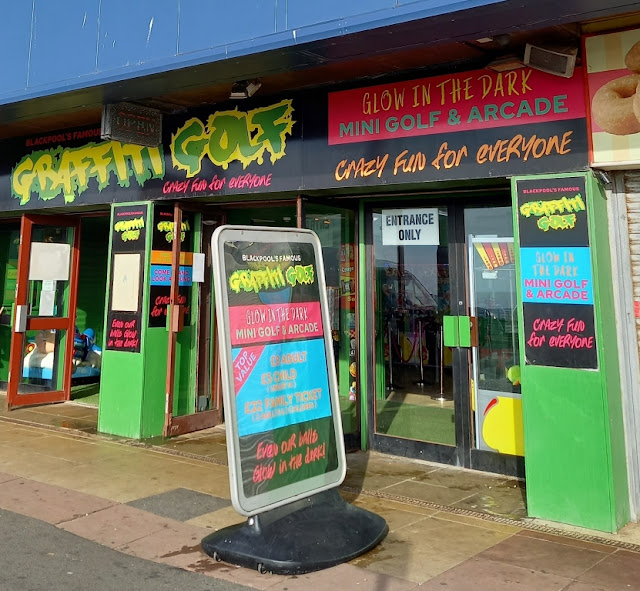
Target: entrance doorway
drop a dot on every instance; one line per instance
(52, 316)
(192, 382)
(444, 338)
(90, 309)
(336, 229)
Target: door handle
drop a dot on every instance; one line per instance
(475, 340)
(20, 324)
(460, 331)
(464, 330)
(451, 331)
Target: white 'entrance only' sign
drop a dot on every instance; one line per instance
(410, 227)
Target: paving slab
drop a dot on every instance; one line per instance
(117, 525)
(619, 571)
(505, 500)
(419, 552)
(343, 576)
(5, 477)
(424, 491)
(543, 555)
(52, 504)
(235, 574)
(180, 504)
(177, 545)
(219, 519)
(575, 542)
(481, 574)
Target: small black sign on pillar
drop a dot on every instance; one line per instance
(556, 275)
(124, 312)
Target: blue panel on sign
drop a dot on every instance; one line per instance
(269, 399)
(204, 25)
(161, 275)
(15, 33)
(556, 275)
(148, 31)
(64, 40)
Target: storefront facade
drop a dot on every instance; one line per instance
(468, 271)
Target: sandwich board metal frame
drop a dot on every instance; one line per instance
(284, 432)
(276, 384)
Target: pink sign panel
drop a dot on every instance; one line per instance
(274, 322)
(480, 99)
(244, 364)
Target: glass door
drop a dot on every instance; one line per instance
(496, 402)
(192, 388)
(445, 344)
(414, 371)
(336, 229)
(42, 342)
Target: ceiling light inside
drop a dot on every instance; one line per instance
(506, 64)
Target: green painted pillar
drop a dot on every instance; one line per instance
(122, 379)
(572, 402)
(134, 366)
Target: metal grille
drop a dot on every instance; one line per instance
(632, 190)
(546, 60)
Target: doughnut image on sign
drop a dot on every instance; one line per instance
(613, 106)
(632, 59)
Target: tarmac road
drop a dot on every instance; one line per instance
(36, 556)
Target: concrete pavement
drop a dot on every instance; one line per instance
(449, 528)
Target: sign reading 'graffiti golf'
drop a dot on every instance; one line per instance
(124, 316)
(222, 151)
(285, 438)
(555, 267)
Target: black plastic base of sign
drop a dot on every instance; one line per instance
(308, 535)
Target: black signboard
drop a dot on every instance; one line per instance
(129, 123)
(400, 133)
(280, 386)
(553, 212)
(124, 316)
(556, 273)
(160, 280)
(560, 335)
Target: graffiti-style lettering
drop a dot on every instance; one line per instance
(233, 135)
(300, 274)
(360, 168)
(256, 281)
(134, 224)
(557, 222)
(130, 235)
(67, 171)
(551, 207)
(167, 229)
(523, 147)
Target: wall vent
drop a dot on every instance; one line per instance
(558, 62)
